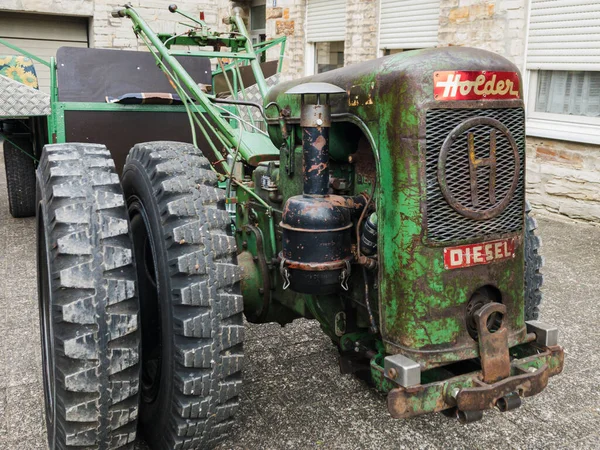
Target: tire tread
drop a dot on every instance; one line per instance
(204, 291)
(96, 320)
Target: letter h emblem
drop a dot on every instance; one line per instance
(475, 163)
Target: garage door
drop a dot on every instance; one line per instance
(42, 35)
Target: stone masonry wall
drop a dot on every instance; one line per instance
(362, 18)
(108, 32)
(564, 177)
(287, 18)
(495, 25)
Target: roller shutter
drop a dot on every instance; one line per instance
(326, 20)
(564, 35)
(409, 24)
(42, 35)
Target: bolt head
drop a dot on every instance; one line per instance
(393, 373)
(319, 122)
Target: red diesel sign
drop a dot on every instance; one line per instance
(475, 254)
(475, 85)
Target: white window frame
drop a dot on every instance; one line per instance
(310, 63)
(563, 127)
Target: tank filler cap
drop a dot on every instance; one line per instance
(315, 88)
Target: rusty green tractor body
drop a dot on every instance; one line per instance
(446, 294)
(386, 200)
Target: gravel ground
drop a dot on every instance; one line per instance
(294, 396)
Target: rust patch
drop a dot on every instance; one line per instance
(493, 346)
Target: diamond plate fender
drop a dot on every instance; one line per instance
(18, 100)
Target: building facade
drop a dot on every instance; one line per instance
(555, 44)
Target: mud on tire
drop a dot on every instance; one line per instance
(20, 178)
(88, 307)
(533, 265)
(191, 304)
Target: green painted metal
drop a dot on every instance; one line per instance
(421, 303)
(6, 138)
(24, 52)
(229, 141)
(254, 63)
(211, 54)
(116, 107)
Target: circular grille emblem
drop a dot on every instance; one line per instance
(478, 168)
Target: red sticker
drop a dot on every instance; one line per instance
(475, 85)
(475, 254)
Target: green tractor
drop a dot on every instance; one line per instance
(386, 200)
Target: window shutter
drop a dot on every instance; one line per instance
(409, 24)
(326, 20)
(564, 35)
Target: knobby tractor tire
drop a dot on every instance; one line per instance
(192, 328)
(533, 265)
(88, 306)
(20, 178)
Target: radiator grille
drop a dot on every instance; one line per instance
(444, 224)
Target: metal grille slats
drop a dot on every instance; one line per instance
(444, 224)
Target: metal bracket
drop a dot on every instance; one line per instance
(285, 274)
(402, 370)
(546, 335)
(345, 275)
(493, 347)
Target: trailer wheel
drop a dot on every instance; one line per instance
(88, 305)
(20, 178)
(191, 307)
(533, 265)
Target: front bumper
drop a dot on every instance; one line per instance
(505, 375)
(529, 375)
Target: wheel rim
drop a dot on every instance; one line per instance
(45, 302)
(145, 257)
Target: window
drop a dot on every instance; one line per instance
(329, 56)
(408, 24)
(563, 62)
(258, 23)
(258, 18)
(325, 34)
(564, 105)
(572, 93)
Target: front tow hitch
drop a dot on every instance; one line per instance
(506, 376)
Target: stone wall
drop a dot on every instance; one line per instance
(495, 25)
(108, 32)
(362, 17)
(287, 18)
(564, 177)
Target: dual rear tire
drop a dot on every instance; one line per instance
(140, 309)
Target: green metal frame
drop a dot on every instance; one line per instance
(198, 104)
(24, 52)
